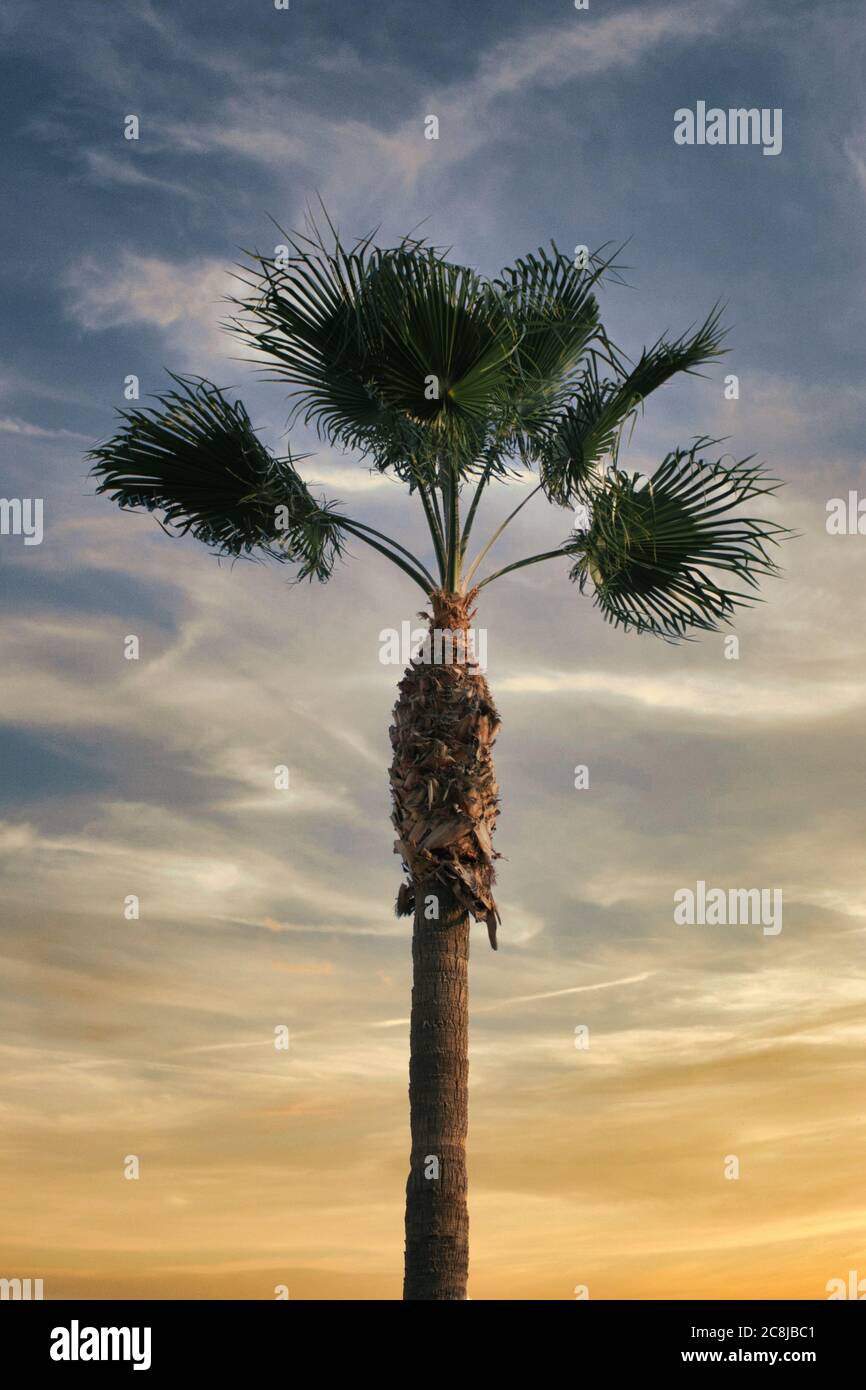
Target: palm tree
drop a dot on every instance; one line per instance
(452, 383)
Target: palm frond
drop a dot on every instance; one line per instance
(585, 432)
(383, 348)
(693, 349)
(591, 426)
(557, 317)
(196, 459)
(440, 321)
(304, 316)
(657, 552)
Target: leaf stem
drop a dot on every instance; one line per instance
(454, 553)
(421, 575)
(519, 564)
(497, 533)
(435, 527)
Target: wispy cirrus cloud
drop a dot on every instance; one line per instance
(109, 169)
(185, 300)
(28, 430)
(146, 289)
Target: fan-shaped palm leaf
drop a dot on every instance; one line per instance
(198, 460)
(557, 318)
(653, 547)
(380, 343)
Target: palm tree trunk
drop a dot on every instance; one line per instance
(445, 798)
(437, 1219)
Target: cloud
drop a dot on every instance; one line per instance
(561, 53)
(353, 158)
(104, 168)
(704, 697)
(183, 299)
(25, 428)
(238, 132)
(145, 289)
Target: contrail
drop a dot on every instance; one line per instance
(529, 998)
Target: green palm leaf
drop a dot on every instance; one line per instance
(556, 315)
(382, 347)
(658, 552)
(446, 340)
(591, 426)
(197, 459)
(304, 316)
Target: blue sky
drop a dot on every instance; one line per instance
(154, 778)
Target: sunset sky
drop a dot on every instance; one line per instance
(261, 907)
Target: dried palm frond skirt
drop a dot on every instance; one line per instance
(443, 783)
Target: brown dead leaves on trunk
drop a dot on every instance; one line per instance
(443, 782)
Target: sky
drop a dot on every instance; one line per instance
(601, 1168)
